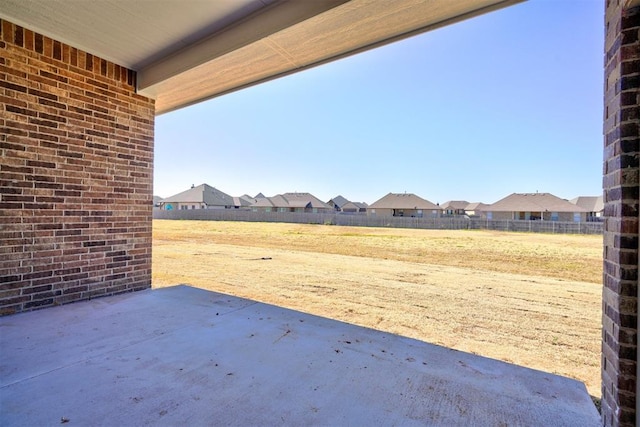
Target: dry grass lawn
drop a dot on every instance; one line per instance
(529, 299)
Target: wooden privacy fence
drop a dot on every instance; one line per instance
(445, 223)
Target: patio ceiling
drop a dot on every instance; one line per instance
(185, 52)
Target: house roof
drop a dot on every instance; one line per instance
(590, 203)
(402, 201)
(304, 199)
(291, 200)
(241, 201)
(354, 206)
(203, 193)
(533, 202)
(262, 202)
(455, 204)
(183, 55)
(339, 201)
(476, 206)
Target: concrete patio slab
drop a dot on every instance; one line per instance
(186, 356)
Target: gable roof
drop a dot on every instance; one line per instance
(402, 201)
(455, 204)
(291, 200)
(338, 201)
(590, 203)
(203, 193)
(241, 201)
(354, 206)
(533, 202)
(262, 202)
(477, 206)
(304, 199)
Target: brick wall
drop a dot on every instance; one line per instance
(620, 303)
(76, 169)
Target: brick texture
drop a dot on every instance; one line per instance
(76, 169)
(620, 181)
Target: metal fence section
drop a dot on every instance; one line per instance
(446, 223)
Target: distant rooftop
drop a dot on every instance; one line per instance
(402, 201)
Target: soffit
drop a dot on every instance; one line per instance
(189, 51)
(131, 33)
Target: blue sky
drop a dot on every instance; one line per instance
(506, 102)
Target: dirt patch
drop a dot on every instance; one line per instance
(529, 299)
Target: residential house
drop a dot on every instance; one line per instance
(341, 204)
(337, 202)
(593, 204)
(454, 207)
(291, 202)
(243, 202)
(354, 208)
(535, 206)
(404, 204)
(156, 202)
(201, 197)
(476, 209)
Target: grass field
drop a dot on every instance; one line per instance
(529, 299)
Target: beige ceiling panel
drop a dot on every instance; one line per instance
(341, 31)
(361, 23)
(246, 66)
(131, 33)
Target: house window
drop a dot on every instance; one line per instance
(554, 216)
(193, 206)
(419, 213)
(489, 216)
(576, 217)
(183, 207)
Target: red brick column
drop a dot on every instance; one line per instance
(620, 291)
(76, 169)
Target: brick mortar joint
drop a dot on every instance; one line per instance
(66, 62)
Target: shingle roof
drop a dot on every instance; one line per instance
(291, 200)
(262, 202)
(309, 200)
(339, 201)
(455, 204)
(533, 202)
(203, 193)
(241, 201)
(590, 203)
(402, 201)
(354, 205)
(477, 206)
